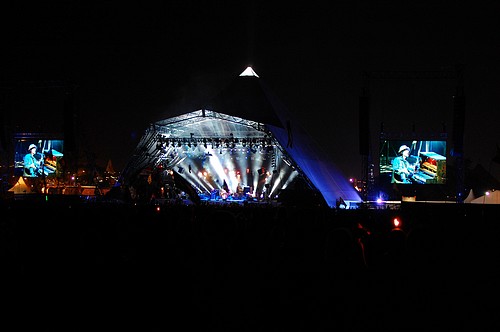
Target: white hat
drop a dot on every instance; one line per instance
(402, 148)
(31, 147)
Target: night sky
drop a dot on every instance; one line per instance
(137, 63)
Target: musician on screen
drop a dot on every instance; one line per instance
(402, 170)
(31, 164)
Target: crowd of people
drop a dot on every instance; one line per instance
(252, 268)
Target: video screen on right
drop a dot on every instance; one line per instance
(413, 162)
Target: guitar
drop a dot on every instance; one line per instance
(35, 171)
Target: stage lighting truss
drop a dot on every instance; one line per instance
(205, 134)
(246, 144)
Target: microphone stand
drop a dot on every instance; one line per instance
(42, 168)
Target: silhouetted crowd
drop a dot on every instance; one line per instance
(79, 266)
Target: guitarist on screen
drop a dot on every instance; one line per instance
(402, 170)
(31, 164)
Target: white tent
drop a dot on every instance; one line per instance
(491, 197)
(470, 197)
(20, 187)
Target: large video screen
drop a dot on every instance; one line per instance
(413, 162)
(38, 157)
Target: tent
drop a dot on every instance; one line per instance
(470, 197)
(243, 136)
(109, 167)
(20, 187)
(491, 197)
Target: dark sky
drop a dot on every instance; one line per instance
(132, 64)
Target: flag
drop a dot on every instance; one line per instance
(225, 186)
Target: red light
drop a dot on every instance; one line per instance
(157, 209)
(396, 222)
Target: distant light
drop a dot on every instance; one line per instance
(379, 200)
(249, 72)
(396, 222)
